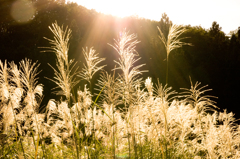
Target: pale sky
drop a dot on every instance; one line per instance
(193, 12)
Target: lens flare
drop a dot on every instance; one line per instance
(22, 11)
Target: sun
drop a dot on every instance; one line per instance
(117, 8)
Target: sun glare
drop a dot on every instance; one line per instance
(180, 12)
(116, 8)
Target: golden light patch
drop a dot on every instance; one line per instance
(22, 11)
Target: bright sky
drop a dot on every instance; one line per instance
(193, 12)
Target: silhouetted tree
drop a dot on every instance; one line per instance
(215, 29)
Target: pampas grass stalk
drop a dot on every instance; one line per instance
(173, 40)
(125, 47)
(65, 74)
(24, 155)
(34, 92)
(111, 97)
(9, 78)
(91, 67)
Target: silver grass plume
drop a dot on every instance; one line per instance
(164, 92)
(16, 85)
(65, 72)
(128, 80)
(125, 47)
(5, 107)
(173, 40)
(110, 93)
(195, 96)
(34, 91)
(92, 60)
(4, 82)
(11, 92)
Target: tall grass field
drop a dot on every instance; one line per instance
(129, 117)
